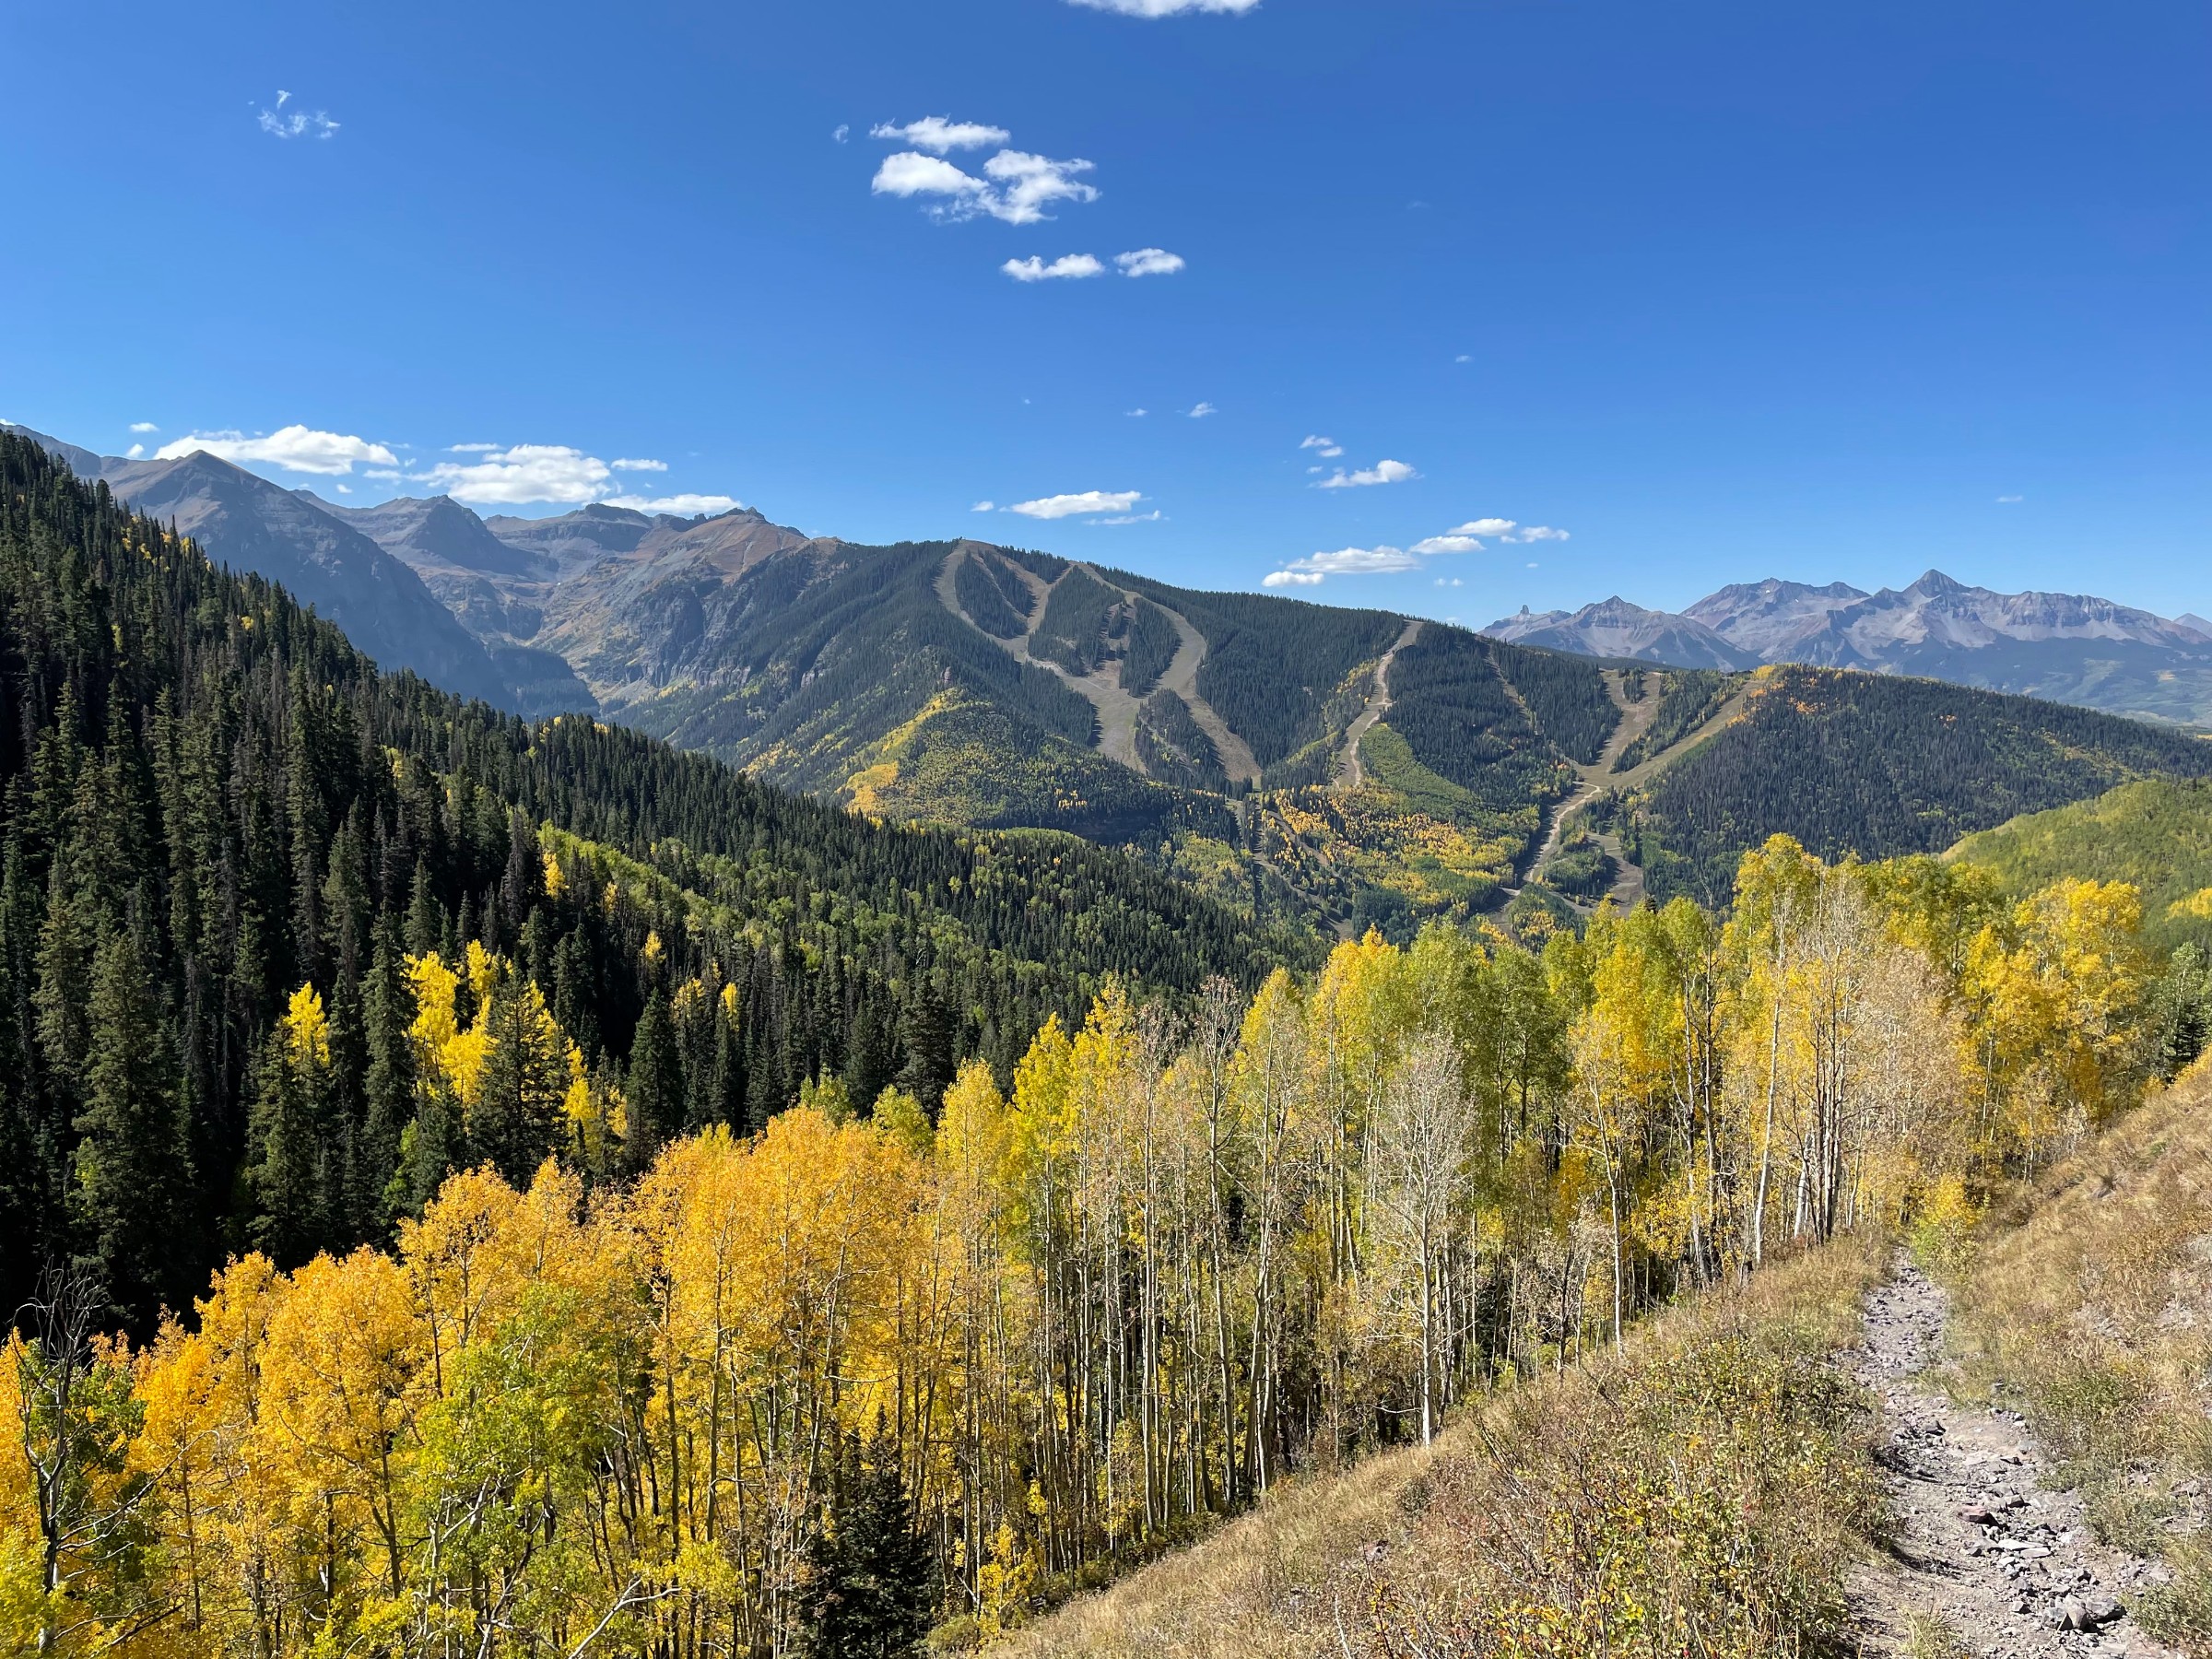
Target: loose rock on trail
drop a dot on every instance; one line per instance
(2012, 1569)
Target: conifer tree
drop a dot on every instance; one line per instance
(133, 1187)
(656, 1083)
(869, 1589)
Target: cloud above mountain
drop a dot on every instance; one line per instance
(1080, 505)
(300, 449)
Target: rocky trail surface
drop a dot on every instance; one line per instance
(1351, 771)
(2010, 1568)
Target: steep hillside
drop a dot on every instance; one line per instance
(252, 525)
(2155, 835)
(219, 818)
(1877, 766)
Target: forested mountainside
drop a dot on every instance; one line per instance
(1329, 768)
(1876, 766)
(811, 1391)
(301, 541)
(244, 879)
(2155, 835)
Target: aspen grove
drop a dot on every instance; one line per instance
(1180, 1254)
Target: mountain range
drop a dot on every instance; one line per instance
(1346, 767)
(2062, 647)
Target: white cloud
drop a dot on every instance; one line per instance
(294, 448)
(1448, 581)
(843, 132)
(1168, 8)
(984, 507)
(135, 451)
(144, 425)
(1203, 410)
(1152, 517)
(1138, 414)
(1017, 186)
(527, 472)
(1383, 472)
(1327, 448)
(1292, 579)
(1088, 503)
(638, 466)
(2002, 500)
(474, 449)
(1149, 262)
(1504, 530)
(1463, 357)
(345, 489)
(683, 506)
(1357, 561)
(298, 124)
(1066, 266)
(1447, 544)
(940, 135)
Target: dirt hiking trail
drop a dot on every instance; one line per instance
(2012, 1569)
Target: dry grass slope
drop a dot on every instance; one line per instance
(1702, 1493)
(2088, 1303)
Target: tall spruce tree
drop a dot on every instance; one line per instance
(870, 1586)
(134, 1179)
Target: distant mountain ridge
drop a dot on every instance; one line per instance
(1354, 767)
(249, 524)
(2062, 647)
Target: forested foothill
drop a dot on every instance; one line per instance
(241, 871)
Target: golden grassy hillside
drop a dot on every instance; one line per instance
(2087, 1303)
(1704, 1491)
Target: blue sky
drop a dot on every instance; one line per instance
(1719, 290)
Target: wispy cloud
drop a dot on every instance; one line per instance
(1328, 449)
(135, 451)
(144, 425)
(1281, 578)
(1089, 504)
(1383, 472)
(298, 449)
(842, 133)
(1152, 517)
(1016, 186)
(1068, 265)
(1149, 262)
(297, 124)
(2002, 500)
(627, 466)
(1353, 561)
(1202, 410)
(1470, 537)
(984, 507)
(1168, 8)
(1138, 414)
(682, 506)
(940, 135)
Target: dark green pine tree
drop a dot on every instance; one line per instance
(388, 1087)
(656, 1083)
(133, 1188)
(870, 1586)
(926, 1033)
(288, 1130)
(514, 1123)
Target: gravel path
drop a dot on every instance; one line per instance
(1978, 1542)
